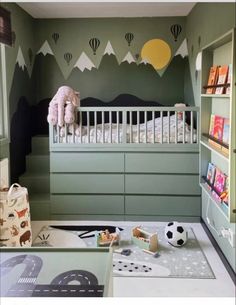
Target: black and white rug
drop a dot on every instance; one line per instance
(188, 261)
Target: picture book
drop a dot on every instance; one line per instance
(222, 79)
(219, 182)
(211, 173)
(218, 127)
(225, 194)
(212, 122)
(225, 137)
(212, 79)
(229, 79)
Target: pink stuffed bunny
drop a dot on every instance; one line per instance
(63, 96)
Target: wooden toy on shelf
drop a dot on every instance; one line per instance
(107, 239)
(145, 240)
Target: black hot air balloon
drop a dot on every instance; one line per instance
(94, 44)
(13, 38)
(175, 30)
(68, 57)
(129, 37)
(30, 54)
(55, 37)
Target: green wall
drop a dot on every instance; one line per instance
(207, 21)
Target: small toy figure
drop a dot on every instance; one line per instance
(105, 238)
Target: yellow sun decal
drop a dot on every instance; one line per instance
(157, 52)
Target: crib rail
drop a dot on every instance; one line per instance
(130, 125)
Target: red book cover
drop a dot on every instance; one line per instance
(219, 183)
(218, 128)
(212, 79)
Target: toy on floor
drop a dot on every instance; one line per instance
(145, 240)
(125, 252)
(107, 239)
(176, 234)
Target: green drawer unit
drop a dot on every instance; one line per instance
(87, 183)
(162, 184)
(87, 162)
(163, 205)
(87, 204)
(111, 217)
(184, 163)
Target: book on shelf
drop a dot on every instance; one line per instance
(212, 79)
(219, 183)
(216, 129)
(225, 137)
(222, 79)
(211, 173)
(225, 194)
(229, 79)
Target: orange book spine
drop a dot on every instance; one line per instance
(212, 80)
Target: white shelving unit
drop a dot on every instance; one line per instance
(219, 52)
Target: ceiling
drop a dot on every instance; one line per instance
(106, 9)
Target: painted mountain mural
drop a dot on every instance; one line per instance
(111, 79)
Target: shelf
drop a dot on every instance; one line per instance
(216, 95)
(218, 151)
(221, 207)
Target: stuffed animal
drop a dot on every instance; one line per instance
(65, 97)
(70, 130)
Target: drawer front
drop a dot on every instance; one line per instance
(112, 217)
(87, 162)
(175, 163)
(163, 205)
(87, 183)
(162, 184)
(86, 204)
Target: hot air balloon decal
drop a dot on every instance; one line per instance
(30, 54)
(129, 37)
(13, 38)
(175, 30)
(137, 56)
(55, 37)
(68, 57)
(94, 44)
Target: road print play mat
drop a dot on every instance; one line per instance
(187, 261)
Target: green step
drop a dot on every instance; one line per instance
(37, 163)
(39, 206)
(40, 144)
(36, 183)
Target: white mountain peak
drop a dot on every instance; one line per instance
(129, 58)
(109, 49)
(20, 59)
(144, 61)
(183, 49)
(45, 49)
(84, 62)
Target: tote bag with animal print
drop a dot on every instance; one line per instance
(15, 227)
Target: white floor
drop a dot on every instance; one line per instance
(222, 286)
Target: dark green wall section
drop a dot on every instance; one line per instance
(205, 23)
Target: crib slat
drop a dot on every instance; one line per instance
(168, 137)
(183, 127)
(197, 127)
(88, 128)
(124, 125)
(66, 132)
(103, 131)
(131, 127)
(58, 134)
(191, 127)
(138, 126)
(145, 115)
(110, 125)
(73, 133)
(161, 127)
(95, 125)
(80, 125)
(176, 127)
(153, 126)
(117, 127)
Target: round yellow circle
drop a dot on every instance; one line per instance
(157, 52)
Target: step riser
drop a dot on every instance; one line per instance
(37, 164)
(40, 145)
(36, 184)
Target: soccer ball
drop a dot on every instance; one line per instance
(176, 234)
